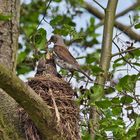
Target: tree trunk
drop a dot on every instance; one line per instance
(9, 124)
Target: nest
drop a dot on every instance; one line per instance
(59, 97)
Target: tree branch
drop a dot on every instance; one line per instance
(125, 60)
(107, 40)
(127, 30)
(104, 61)
(124, 28)
(30, 101)
(126, 51)
(132, 7)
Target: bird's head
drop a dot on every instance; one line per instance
(54, 38)
(57, 40)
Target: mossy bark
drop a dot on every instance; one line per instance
(9, 124)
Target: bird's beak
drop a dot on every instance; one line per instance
(49, 42)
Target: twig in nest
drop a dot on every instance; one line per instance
(55, 107)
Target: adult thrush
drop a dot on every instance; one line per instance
(63, 57)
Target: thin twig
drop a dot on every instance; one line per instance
(126, 51)
(43, 18)
(124, 58)
(99, 4)
(44, 13)
(126, 29)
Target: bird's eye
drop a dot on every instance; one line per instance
(52, 38)
(55, 39)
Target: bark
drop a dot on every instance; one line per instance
(9, 124)
(104, 61)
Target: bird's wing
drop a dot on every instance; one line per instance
(63, 53)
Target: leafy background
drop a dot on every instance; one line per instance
(83, 34)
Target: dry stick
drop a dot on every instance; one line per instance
(55, 107)
(94, 11)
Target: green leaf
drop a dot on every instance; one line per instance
(22, 69)
(86, 136)
(104, 104)
(96, 69)
(109, 90)
(112, 127)
(127, 83)
(126, 100)
(57, 1)
(136, 53)
(92, 21)
(40, 38)
(21, 57)
(115, 65)
(97, 93)
(118, 62)
(90, 58)
(116, 110)
(132, 132)
(67, 29)
(137, 26)
(55, 21)
(115, 100)
(29, 29)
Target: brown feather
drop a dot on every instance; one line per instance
(64, 54)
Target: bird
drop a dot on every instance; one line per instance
(46, 65)
(63, 57)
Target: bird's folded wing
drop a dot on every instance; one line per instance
(64, 54)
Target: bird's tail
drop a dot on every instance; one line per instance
(85, 75)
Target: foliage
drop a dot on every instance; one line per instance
(118, 103)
